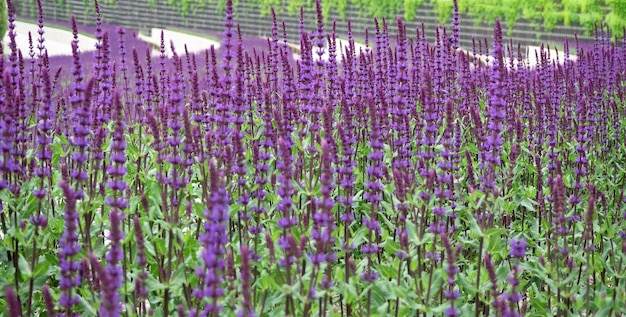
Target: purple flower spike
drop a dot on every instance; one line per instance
(246, 309)
(113, 277)
(69, 248)
(211, 271)
(456, 30)
(451, 312)
(15, 308)
(47, 297)
(518, 248)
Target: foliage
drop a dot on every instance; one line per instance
(444, 9)
(3, 18)
(410, 8)
(187, 6)
(616, 17)
(546, 14)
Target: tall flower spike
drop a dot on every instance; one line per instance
(40, 46)
(211, 271)
(246, 309)
(518, 248)
(456, 30)
(493, 142)
(47, 298)
(69, 248)
(451, 293)
(44, 139)
(374, 189)
(491, 272)
(323, 219)
(15, 308)
(113, 274)
(140, 282)
(285, 191)
(588, 233)
(116, 170)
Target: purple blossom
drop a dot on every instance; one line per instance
(285, 178)
(44, 138)
(213, 240)
(518, 248)
(491, 147)
(47, 297)
(69, 249)
(113, 274)
(246, 309)
(14, 306)
(323, 219)
(140, 286)
(451, 293)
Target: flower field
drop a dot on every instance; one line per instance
(409, 178)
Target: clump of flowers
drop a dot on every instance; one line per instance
(403, 176)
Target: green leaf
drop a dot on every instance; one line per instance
(153, 285)
(179, 277)
(473, 226)
(90, 310)
(387, 271)
(382, 309)
(52, 260)
(24, 266)
(527, 203)
(605, 309)
(41, 268)
(159, 244)
(466, 285)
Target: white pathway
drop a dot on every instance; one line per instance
(195, 44)
(57, 41)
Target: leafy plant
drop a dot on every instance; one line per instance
(404, 178)
(3, 19)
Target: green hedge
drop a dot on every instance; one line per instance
(545, 14)
(3, 18)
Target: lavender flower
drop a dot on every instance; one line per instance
(518, 248)
(451, 293)
(212, 268)
(375, 188)
(176, 178)
(69, 249)
(113, 274)
(47, 297)
(589, 215)
(512, 296)
(140, 287)
(246, 309)
(456, 30)
(492, 144)
(8, 131)
(323, 219)
(44, 128)
(15, 308)
(116, 201)
(285, 191)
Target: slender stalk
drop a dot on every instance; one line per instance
(31, 285)
(480, 260)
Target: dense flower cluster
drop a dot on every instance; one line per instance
(388, 175)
